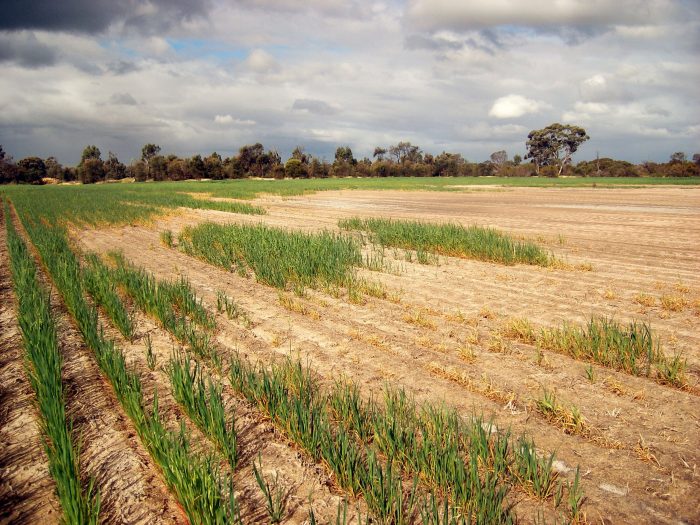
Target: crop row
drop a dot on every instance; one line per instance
(473, 242)
(469, 462)
(80, 504)
(204, 493)
(287, 395)
(631, 347)
(474, 473)
(172, 303)
(278, 257)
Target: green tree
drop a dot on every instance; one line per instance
(254, 162)
(90, 152)
(406, 152)
(91, 170)
(196, 167)
(678, 156)
(300, 155)
(114, 169)
(499, 159)
(554, 145)
(54, 168)
(149, 151)
(343, 155)
(31, 170)
(158, 168)
(214, 166)
(448, 164)
(318, 169)
(294, 169)
(379, 153)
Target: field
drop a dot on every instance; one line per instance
(344, 351)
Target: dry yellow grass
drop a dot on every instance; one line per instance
(681, 288)
(420, 318)
(614, 386)
(484, 386)
(373, 340)
(296, 306)
(673, 302)
(645, 299)
(609, 294)
(644, 452)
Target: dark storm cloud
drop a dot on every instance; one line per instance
(317, 107)
(585, 15)
(95, 16)
(123, 99)
(25, 49)
(122, 67)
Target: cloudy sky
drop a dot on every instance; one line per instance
(463, 76)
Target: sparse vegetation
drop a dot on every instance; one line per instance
(233, 311)
(274, 493)
(400, 459)
(166, 237)
(453, 240)
(632, 348)
(568, 418)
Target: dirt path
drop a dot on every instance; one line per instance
(27, 491)
(459, 305)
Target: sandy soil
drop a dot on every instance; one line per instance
(639, 459)
(258, 441)
(26, 487)
(131, 487)
(131, 490)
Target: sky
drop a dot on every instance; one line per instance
(463, 76)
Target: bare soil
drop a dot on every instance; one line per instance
(27, 491)
(130, 488)
(304, 482)
(441, 339)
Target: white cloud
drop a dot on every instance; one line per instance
(514, 106)
(223, 119)
(156, 45)
(228, 119)
(482, 131)
(260, 61)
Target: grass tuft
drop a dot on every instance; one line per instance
(454, 240)
(279, 258)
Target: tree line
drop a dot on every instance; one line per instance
(549, 152)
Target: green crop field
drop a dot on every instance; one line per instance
(282, 362)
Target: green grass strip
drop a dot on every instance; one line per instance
(114, 203)
(79, 504)
(278, 257)
(473, 242)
